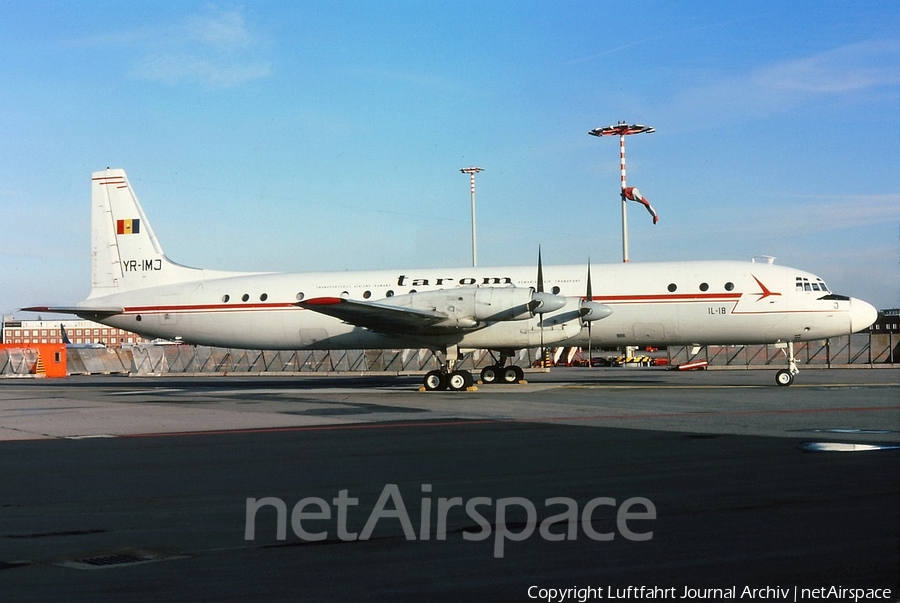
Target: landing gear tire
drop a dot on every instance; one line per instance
(512, 374)
(460, 380)
(490, 374)
(435, 381)
(784, 378)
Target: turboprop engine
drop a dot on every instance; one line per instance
(591, 310)
(478, 305)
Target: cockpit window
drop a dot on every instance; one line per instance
(804, 284)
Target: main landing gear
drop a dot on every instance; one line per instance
(785, 377)
(439, 380)
(500, 373)
(449, 378)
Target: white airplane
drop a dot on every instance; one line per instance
(134, 286)
(78, 346)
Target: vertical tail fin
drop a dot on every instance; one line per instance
(125, 254)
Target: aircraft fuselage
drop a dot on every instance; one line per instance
(652, 304)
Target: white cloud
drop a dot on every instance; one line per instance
(863, 66)
(860, 70)
(839, 212)
(224, 30)
(173, 67)
(796, 214)
(217, 48)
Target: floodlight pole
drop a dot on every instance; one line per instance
(622, 130)
(471, 171)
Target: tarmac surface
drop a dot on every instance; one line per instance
(338, 488)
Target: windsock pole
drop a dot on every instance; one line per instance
(624, 200)
(622, 130)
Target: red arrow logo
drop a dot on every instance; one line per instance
(765, 290)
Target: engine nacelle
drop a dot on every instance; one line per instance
(513, 303)
(591, 310)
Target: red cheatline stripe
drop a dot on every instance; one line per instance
(323, 301)
(335, 300)
(670, 298)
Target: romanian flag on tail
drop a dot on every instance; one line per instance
(124, 227)
(633, 194)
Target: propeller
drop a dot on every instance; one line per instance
(540, 275)
(541, 301)
(589, 297)
(591, 310)
(540, 291)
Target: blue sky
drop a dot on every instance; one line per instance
(303, 136)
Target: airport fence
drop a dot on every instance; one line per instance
(17, 362)
(184, 359)
(100, 361)
(860, 349)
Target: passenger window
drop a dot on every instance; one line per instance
(704, 286)
(729, 286)
(672, 287)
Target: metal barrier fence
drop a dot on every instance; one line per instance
(156, 360)
(17, 362)
(859, 349)
(854, 350)
(100, 361)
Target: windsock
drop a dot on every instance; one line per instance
(634, 194)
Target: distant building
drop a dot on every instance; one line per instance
(79, 332)
(888, 322)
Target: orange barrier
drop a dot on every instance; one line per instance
(51, 358)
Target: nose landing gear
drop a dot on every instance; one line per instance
(785, 377)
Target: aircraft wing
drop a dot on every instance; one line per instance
(381, 318)
(87, 313)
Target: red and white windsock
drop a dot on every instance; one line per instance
(633, 194)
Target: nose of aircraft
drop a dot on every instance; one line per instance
(862, 314)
